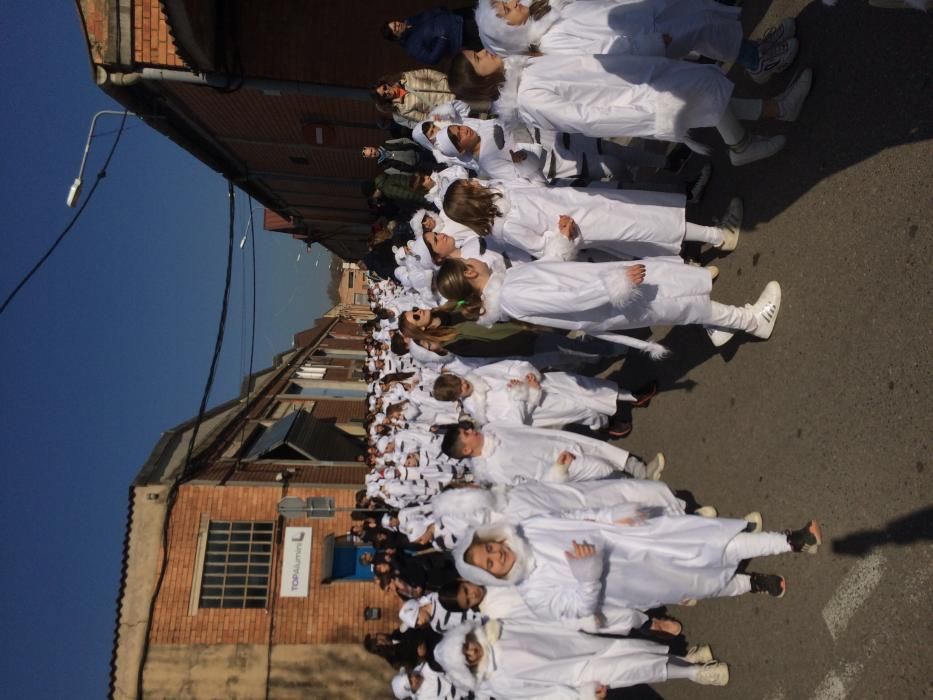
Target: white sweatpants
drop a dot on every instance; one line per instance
(748, 545)
(704, 234)
(738, 318)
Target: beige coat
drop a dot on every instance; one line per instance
(425, 90)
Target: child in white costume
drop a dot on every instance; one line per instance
(547, 661)
(579, 564)
(671, 28)
(622, 223)
(456, 511)
(599, 297)
(490, 148)
(618, 95)
(513, 392)
(514, 454)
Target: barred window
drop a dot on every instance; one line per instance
(237, 564)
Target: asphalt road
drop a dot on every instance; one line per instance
(832, 417)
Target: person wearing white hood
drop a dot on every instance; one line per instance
(492, 151)
(596, 561)
(433, 185)
(427, 611)
(425, 135)
(424, 683)
(456, 511)
(513, 392)
(401, 685)
(483, 145)
(563, 223)
(547, 661)
(618, 95)
(426, 223)
(671, 28)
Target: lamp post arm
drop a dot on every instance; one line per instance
(90, 135)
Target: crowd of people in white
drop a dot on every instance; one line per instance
(533, 559)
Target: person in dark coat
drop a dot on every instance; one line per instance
(434, 35)
(404, 155)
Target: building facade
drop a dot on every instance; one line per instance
(239, 578)
(273, 95)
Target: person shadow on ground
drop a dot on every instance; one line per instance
(872, 90)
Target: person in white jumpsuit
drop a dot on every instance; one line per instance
(547, 661)
(620, 95)
(602, 561)
(600, 297)
(621, 223)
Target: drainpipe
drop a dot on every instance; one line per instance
(216, 80)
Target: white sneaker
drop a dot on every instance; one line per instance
(755, 519)
(791, 100)
(713, 673)
(776, 35)
(718, 336)
(706, 512)
(700, 183)
(713, 271)
(755, 148)
(699, 654)
(766, 310)
(779, 58)
(731, 224)
(655, 467)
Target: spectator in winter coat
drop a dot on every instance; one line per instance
(404, 155)
(398, 188)
(433, 35)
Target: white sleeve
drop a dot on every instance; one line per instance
(551, 111)
(453, 111)
(569, 602)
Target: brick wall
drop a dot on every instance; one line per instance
(349, 327)
(152, 42)
(96, 15)
(342, 411)
(337, 43)
(330, 613)
(342, 344)
(265, 472)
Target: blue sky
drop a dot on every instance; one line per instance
(108, 345)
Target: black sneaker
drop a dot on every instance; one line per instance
(772, 584)
(677, 158)
(807, 539)
(644, 395)
(619, 428)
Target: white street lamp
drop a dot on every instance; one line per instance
(75, 192)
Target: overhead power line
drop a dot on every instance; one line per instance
(101, 174)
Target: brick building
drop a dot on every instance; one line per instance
(352, 294)
(259, 597)
(272, 95)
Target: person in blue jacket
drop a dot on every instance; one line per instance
(434, 35)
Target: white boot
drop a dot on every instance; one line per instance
(790, 102)
(654, 468)
(699, 654)
(718, 337)
(714, 673)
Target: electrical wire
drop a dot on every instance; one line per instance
(101, 174)
(187, 469)
(252, 343)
